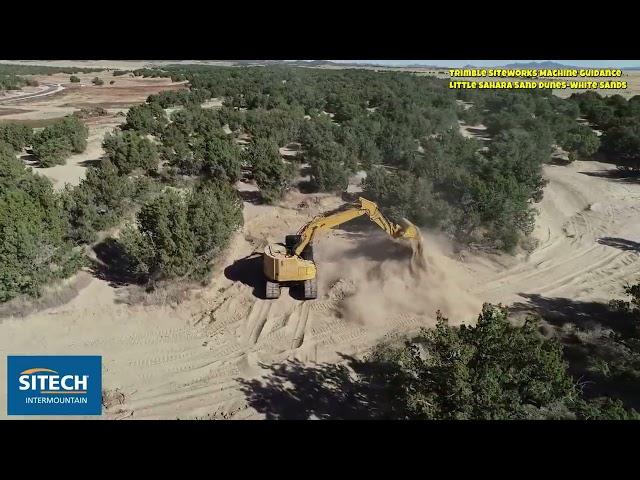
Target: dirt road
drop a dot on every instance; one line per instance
(49, 88)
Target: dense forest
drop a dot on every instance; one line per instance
(166, 183)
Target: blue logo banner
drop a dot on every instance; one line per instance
(54, 385)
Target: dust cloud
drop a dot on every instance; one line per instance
(377, 279)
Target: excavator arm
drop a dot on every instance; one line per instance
(364, 207)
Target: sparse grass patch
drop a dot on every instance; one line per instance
(52, 296)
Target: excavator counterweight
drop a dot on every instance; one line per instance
(291, 263)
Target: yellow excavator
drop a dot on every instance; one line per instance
(291, 263)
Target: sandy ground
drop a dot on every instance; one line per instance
(197, 359)
(75, 167)
(588, 233)
(194, 360)
(125, 92)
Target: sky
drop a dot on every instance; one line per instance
(491, 63)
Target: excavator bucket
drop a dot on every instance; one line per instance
(409, 230)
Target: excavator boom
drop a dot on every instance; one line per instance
(364, 207)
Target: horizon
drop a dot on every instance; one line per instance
(495, 63)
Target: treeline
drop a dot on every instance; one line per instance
(344, 120)
(484, 196)
(176, 232)
(402, 129)
(619, 120)
(9, 69)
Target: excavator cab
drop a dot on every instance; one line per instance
(291, 263)
(282, 267)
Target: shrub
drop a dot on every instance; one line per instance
(34, 248)
(97, 203)
(272, 175)
(178, 235)
(16, 135)
(129, 150)
(58, 141)
(146, 118)
(489, 371)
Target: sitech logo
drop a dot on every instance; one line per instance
(68, 385)
(49, 382)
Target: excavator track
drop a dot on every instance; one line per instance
(311, 289)
(272, 290)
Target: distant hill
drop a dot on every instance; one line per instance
(550, 65)
(541, 65)
(559, 66)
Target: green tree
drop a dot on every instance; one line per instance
(56, 142)
(178, 235)
(128, 151)
(74, 79)
(331, 164)
(493, 370)
(580, 141)
(221, 159)
(16, 134)
(163, 245)
(271, 173)
(97, 203)
(405, 195)
(215, 213)
(52, 151)
(623, 144)
(213, 155)
(148, 118)
(34, 248)
(97, 81)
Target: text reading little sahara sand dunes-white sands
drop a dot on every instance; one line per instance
(519, 79)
